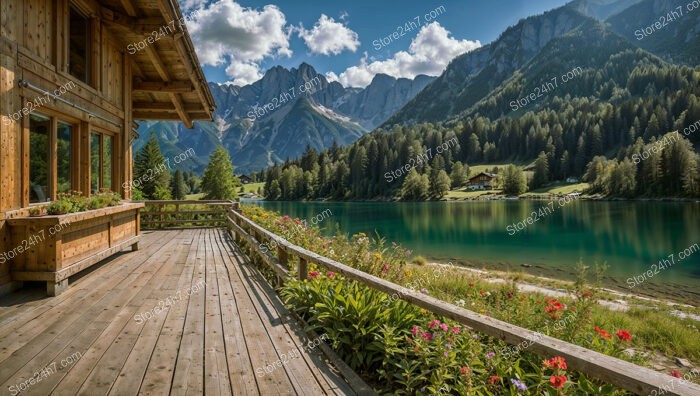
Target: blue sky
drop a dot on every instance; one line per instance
(237, 41)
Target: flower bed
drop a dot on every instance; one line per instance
(402, 349)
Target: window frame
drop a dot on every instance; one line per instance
(52, 172)
(90, 56)
(101, 133)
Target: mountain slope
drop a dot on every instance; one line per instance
(274, 118)
(472, 76)
(676, 38)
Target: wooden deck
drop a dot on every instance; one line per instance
(186, 314)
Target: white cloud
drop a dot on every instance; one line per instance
(224, 32)
(429, 53)
(329, 37)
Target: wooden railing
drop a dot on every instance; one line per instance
(615, 371)
(184, 214)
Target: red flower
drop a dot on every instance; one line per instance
(553, 306)
(602, 332)
(471, 283)
(624, 335)
(675, 373)
(331, 274)
(493, 379)
(415, 330)
(556, 362)
(557, 381)
(434, 324)
(463, 370)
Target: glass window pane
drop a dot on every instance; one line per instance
(94, 162)
(78, 56)
(64, 157)
(39, 127)
(107, 162)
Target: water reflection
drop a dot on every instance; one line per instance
(629, 236)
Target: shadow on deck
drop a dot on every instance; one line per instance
(185, 314)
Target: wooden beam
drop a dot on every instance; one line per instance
(165, 87)
(177, 102)
(165, 116)
(164, 106)
(196, 76)
(129, 7)
(163, 73)
(157, 62)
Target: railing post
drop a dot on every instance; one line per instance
(303, 269)
(282, 255)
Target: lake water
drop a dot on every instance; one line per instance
(629, 236)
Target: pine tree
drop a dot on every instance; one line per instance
(459, 175)
(178, 187)
(219, 182)
(151, 171)
(541, 176)
(514, 182)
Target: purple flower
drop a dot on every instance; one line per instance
(490, 355)
(445, 354)
(518, 384)
(424, 291)
(448, 346)
(474, 336)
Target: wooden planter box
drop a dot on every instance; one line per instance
(52, 248)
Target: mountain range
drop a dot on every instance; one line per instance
(595, 42)
(273, 119)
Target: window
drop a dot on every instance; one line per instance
(50, 142)
(79, 46)
(39, 129)
(100, 161)
(64, 154)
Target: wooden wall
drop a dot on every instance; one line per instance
(33, 47)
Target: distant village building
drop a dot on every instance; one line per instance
(482, 181)
(245, 179)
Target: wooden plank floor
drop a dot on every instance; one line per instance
(186, 314)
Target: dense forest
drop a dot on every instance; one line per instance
(638, 141)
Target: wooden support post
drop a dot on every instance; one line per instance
(303, 268)
(282, 255)
(55, 288)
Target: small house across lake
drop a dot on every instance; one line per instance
(481, 181)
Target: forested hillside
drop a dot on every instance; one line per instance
(572, 133)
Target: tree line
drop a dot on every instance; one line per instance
(573, 137)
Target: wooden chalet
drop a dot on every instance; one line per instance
(482, 180)
(74, 77)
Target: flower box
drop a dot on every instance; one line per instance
(53, 248)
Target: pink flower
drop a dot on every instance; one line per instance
(331, 274)
(455, 330)
(312, 275)
(415, 330)
(427, 336)
(434, 324)
(385, 267)
(444, 327)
